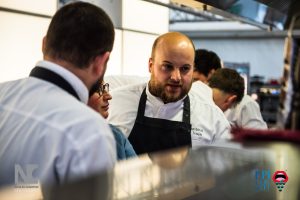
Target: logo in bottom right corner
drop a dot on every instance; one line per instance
(280, 178)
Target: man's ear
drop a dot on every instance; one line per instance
(44, 44)
(150, 64)
(211, 72)
(100, 63)
(230, 100)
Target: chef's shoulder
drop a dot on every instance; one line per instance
(128, 93)
(205, 107)
(248, 101)
(133, 89)
(201, 91)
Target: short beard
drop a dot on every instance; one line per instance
(158, 90)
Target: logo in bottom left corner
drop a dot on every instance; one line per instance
(24, 176)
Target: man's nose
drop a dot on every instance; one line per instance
(176, 75)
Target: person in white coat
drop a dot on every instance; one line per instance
(227, 88)
(162, 114)
(228, 93)
(206, 63)
(48, 134)
(245, 114)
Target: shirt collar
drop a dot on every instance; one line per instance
(76, 83)
(158, 102)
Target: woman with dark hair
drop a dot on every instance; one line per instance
(99, 102)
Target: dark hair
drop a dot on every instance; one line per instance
(78, 33)
(205, 61)
(228, 81)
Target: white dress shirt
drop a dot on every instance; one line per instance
(43, 125)
(207, 120)
(246, 114)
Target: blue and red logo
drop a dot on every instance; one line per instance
(263, 179)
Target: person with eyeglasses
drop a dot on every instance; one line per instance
(47, 130)
(163, 114)
(99, 102)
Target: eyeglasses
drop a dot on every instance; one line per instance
(103, 88)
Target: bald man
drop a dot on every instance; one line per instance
(163, 114)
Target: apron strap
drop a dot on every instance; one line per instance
(142, 105)
(52, 77)
(186, 110)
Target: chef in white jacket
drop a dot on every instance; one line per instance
(228, 93)
(161, 114)
(245, 113)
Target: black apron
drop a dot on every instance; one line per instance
(153, 134)
(52, 77)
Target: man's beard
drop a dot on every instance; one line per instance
(159, 90)
(95, 86)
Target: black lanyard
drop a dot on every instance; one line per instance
(52, 77)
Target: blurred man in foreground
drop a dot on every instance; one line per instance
(46, 128)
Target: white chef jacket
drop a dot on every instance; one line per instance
(207, 120)
(116, 81)
(246, 114)
(43, 125)
(203, 91)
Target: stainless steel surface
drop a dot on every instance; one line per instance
(179, 174)
(205, 173)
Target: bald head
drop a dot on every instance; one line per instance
(172, 39)
(171, 66)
